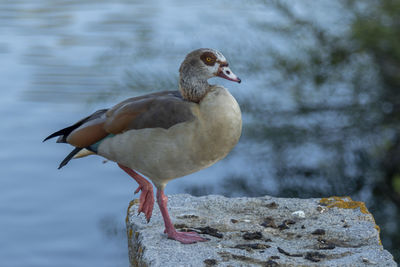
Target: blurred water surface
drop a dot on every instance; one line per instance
(62, 60)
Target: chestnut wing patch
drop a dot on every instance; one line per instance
(160, 110)
(89, 132)
(163, 110)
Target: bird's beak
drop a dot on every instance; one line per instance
(226, 73)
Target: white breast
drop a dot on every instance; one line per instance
(165, 154)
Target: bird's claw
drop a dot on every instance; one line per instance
(138, 189)
(186, 237)
(146, 201)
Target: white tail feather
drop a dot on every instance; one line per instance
(83, 153)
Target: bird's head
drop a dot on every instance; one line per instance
(205, 63)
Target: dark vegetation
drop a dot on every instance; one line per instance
(345, 81)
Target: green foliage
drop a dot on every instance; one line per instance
(396, 183)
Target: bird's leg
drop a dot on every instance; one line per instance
(146, 200)
(183, 237)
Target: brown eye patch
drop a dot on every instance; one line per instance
(208, 58)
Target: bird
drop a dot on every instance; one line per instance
(164, 135)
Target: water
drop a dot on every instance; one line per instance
(61, 60)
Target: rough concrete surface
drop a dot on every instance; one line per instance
(264, 231)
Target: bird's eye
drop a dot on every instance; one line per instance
(208, 58)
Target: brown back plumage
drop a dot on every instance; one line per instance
(157, 110)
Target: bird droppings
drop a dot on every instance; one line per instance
(366, 260)
(299, 214)
(314, 256)
(272, 205)
(338, 243)
(271, 263)
(325, 244)
(267, 246)
(285, 224)
(227, 257)
(252, 236)
(269, 222)
(289, 254)
(318, 232)
(209, 231)
(210, 262)
(321, 209)
(188, 216)
(200, 230)
(252, 246)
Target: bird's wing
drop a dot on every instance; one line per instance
(158, 110)
(90, 123)
(161, 110)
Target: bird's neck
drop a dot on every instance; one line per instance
(193, 88)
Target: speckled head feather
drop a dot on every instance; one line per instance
(195, 63)
(199, 66)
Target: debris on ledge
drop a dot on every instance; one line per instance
(262, 231)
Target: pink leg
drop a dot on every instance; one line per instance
(146, 200)
(183, 237)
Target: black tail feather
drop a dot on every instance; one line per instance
(69, 157)
(63, 133)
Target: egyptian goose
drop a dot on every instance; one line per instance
(165, 135)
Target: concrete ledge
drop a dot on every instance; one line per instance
(263, 231)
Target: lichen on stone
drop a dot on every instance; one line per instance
(347, 203)
(344, 203)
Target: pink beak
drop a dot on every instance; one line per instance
(226, 73)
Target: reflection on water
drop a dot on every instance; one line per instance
(62, 60)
